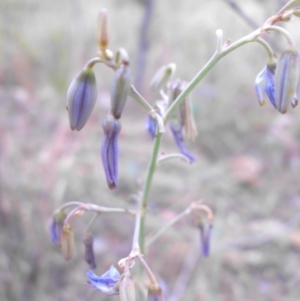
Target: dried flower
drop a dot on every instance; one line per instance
(89, 254)
(120, 89)
(162, 76)
(286, 79)
(267, 74)
(107, 283)
(81, 98)
(109, 150)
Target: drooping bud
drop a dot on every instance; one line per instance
(162, 76)
(56, 227)
(286, 79)
(205, 233)
(107, 283)
(120, 90)
(67, 242)
(127, 289)
(81, 98)
(155, 294)
(266, 74)
(178, 137)
(109, 150)
(89, 254)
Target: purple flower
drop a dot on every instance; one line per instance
(151, 127)
(56, 227)
(107, 283)
(205, 232)
(81, 98)
(178, 137)
(267, 74)
(109, 150)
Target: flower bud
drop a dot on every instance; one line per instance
(286, 79)
(67, 242)
(103, 32)
(89, 254)
(120, 90)
(127, 289)
(205, 233)
(81, 98)
(155, 294)
(56, 227)
(109, 150)
(162, 76)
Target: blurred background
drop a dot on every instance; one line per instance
(248, 157)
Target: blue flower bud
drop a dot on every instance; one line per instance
(107, 283)
(120, 90)
(56, 227)
(205, 232)
(286, 79)
(109, 150)
(267, 74)
(81, 98)
(151, 127)
(178, 137)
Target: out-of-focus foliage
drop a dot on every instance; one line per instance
(247, 168)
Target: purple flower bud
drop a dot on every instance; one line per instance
(286, 79)
(267, 74)
(178, 137)
(120, 89)
(89, 254)
(205, 232)
(127, 288)
(81, 98)
(107, 283)
(109, 150)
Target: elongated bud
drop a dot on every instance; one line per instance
(67, 242)
(89, 254)
(109, 150)
(127, 289)
(205, 228)
(102, 36)
(120, 89)
(162, 76)
(286, 79)
(81, 98)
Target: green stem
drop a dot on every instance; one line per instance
(288, 6)
(268, 49)
(140, 218)
(208, 66)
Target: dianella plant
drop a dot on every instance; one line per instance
(277, 81)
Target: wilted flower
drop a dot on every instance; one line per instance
(267, 74)
(109, 150)
(286, 80)
(120, 89)
(81, 98)
(56, 227)
(89, 254)
(107, 283)
(178, 137)
(162, 76)
(205, 232)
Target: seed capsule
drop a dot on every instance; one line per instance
(286, 79)
(81, 98)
